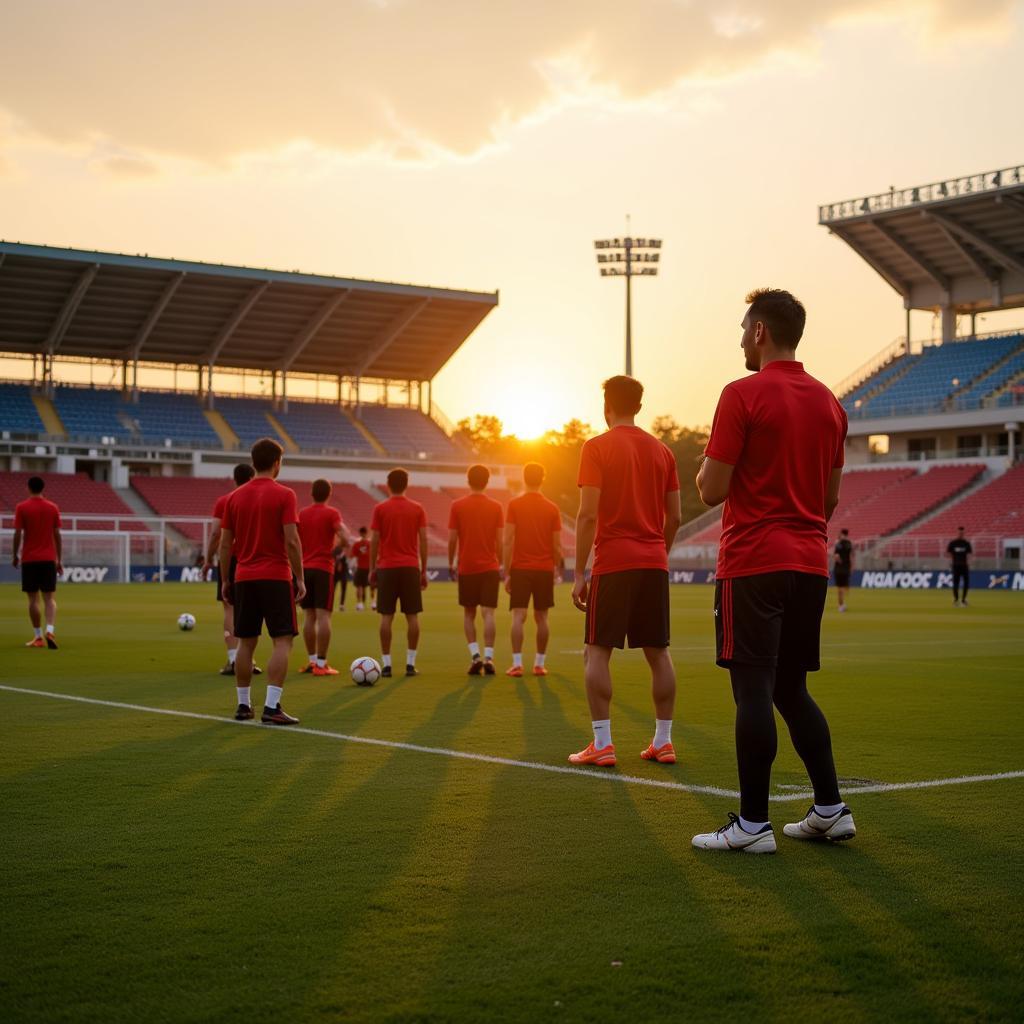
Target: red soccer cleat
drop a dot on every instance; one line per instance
(516, 671)
(539, 670)
(603, 758)
(36, 642)
(665, 754)
(325, 671)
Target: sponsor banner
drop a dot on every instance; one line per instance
(935, 579)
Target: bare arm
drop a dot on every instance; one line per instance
(586, 528)
(453, 546)
(556, 553)
(713, 479)
(294, 548)
(374, 547)
(227, 538)
(58, 543)
(673, 518)
(423, 557)
(508, 547)
(211, 548)
(832, 494)
(16, 548)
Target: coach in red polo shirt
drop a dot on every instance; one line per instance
(261, 523)
(775, 458)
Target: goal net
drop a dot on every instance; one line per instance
(99, 556)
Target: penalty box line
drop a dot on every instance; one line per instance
(605, 776)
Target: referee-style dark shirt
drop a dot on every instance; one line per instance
(844, 550)
(960, 549)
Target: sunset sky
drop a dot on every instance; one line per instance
(486, 144)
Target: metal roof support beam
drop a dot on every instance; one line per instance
(922, 264)
(995, 251)
(390, 332)
(894, 282)
(233, 323)
(308, 333)
(985, 270)
(71, 304)
(154, 315)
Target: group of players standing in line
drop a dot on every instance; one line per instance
(774, 460)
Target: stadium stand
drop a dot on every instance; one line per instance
(995, 379)
(247, 417)
(18, 414)
(354, 504)
(181, 496)
(76, 494)
(407, 431)
(323, 427)
(91, 413)
(875, 381)
(161, 416)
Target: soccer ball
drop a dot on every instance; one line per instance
(186, 622)
(365, 671)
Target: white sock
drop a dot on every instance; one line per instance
(828, 810)
(489, 653)
(232, 654)
(243, 695)
(753, 827)
(539, 659)
(517, 660)
(312, 659)
(386, 659)
(474, 650)
(39, 632)
(49, 628)
(410, 657)
(602, 733)
(320, 662)
(273, 696)
(359, 606)
(662, 731)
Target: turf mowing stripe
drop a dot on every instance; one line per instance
(882, 787)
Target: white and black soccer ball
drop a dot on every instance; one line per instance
(365, 671)
(186, 621)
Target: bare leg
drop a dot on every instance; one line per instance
(277, 667)
(518, 621)
(469, 623)
(33, 610)
(540, 617)
(230, 640)
(597, 675)
(323, 632)
(663, 681)
(385, 633)
(50, 607)
(309, 624)
(413, 624)
(243, 660)
(490, 626)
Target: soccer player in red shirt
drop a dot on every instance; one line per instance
(360, 551)
(474, 539)
(320, 530)
(775, 458)
(533, 561)
(37, 523)
(242, 474)
(629, 514)
(398, 566)
(261, 524)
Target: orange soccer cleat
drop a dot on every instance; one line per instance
(325, 671)
(307, 669)
(36, 641)
(516, 672)
(603, 758)
(665, 754)
(539, 670)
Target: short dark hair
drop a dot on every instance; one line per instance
(845, 531)
(477, 476)
(321, 490)
(533, 474)
(362, 529)
(36, 484)
(781, 312)
(243, 473)
(623, 395)
(265, 452)
(964, 528)
(398, 480)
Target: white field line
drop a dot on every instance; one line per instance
(882, 787)
(969, 652)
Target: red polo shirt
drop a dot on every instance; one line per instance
(398, 522)
(536, 520)
(37, 518)
(477, 519)
(634, 471)
(257, 514)
(360, 551)
(318, 528)
(783, 432)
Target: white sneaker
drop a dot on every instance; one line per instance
(836, 829)
(359, 607)
(732, 837)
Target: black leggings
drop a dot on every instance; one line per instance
(960, 577)
(755, 690)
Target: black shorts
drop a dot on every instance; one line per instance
(342, 571)
(479, 588)
(771, 619)
(231, 576)
(399, 586)
(631, 606)
(362, 577)
(269, 601)
(38, 576)
(841, 577)
(319, 589)
(538, 584)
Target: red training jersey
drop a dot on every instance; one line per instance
(477, 519)
(536, 520)
(783, 432)
(318, 530)
(360, 551)
(634, 472)
(37, 518)
(398, 522)
(257, 514)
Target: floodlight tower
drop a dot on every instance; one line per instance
(628, 257)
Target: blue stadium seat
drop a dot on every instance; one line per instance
(18, 413)
(162, 415)
(247, 417)
(406, 432)
(91, 413)
(322, 427)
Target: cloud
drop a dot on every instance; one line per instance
(403, 78)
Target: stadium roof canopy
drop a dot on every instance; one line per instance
(955, 246)
(69, 302)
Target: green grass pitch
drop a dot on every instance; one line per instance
(166, 868)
